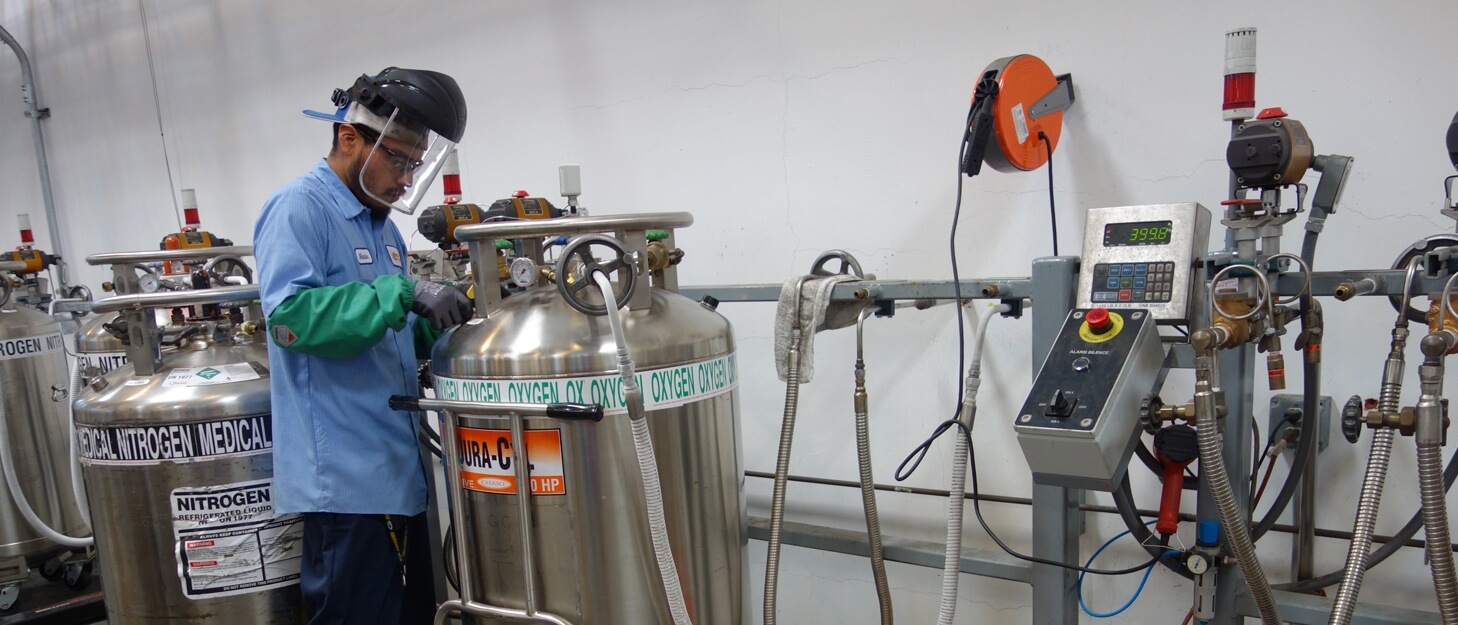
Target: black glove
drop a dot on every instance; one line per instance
(442, 305)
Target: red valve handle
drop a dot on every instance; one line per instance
(1169, 498)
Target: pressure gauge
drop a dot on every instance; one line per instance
(1197, 563)
(523, 272)
(148, 283)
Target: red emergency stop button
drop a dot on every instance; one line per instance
(1098, 320)
(1274, 112)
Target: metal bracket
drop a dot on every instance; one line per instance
(1058, 100)
(1014, 308)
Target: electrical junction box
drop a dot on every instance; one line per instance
(1144, 257)
(1081, 419)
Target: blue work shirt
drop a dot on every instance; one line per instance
(337, 445)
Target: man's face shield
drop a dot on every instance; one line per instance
(402, 162)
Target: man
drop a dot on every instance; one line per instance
(345, 329)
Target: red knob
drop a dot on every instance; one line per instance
(521, 193)
(1098, 320)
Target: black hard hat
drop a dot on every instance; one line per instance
(423, 97)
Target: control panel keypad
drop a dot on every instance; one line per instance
(1133, 282)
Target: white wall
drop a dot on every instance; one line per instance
(787, 128)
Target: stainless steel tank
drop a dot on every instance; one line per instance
(594, 557)
(34, 380)
(98, 348)
(176, 451)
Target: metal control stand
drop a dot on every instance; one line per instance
(1056, 511)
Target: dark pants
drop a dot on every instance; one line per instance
(351, 571)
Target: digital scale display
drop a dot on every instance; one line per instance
(1135, 233)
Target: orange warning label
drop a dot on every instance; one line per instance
(488, 463)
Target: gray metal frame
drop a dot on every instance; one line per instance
(1057, 519)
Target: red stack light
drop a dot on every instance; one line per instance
(451, 178)
(27, 237)
(1239, 91)
(1240, 71)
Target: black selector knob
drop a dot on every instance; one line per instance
(1352, 419)
(1061, 405)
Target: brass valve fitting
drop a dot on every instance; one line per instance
(1449, 322)
(660, 257)
(1237, 331)
(1404, 421)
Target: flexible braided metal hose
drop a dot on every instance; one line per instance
(1370, 498)
(868, 496)
(782, 473)
(1367, 505)
(1435, 519)
(1232, 518)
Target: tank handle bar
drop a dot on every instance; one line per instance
(566, 412)
(575, 412)
(157, 256)
(573, 226)
(175, 299)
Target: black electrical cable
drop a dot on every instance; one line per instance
(966, 431)
(919, 453)
(448, 558)
(428, 437)
(1124, 503)
(1052, 212)
(1255, 441)
(1260, 460)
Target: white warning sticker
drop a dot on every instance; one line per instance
(230, 543)
(1020, 122)
(27, 346)
(181, 442)
(105, 361)
(662, 388)
(208, 376)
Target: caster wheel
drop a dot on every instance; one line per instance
(53, 570)
(8, 596)
(78, 576)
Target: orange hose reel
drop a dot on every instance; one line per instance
(1026, 105)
